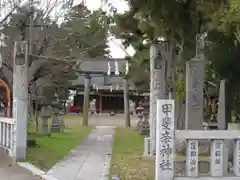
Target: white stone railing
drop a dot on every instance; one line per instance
(218, 156)
(6, 133)
(167, 138)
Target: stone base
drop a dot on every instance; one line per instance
(55, 128)
(58, 124)
(180, 165)
(148, 157)
(144, 128)
(44, 126)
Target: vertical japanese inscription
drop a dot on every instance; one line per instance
(158, 60)
(165, 138)
(195, 86)
(192, 161)
(218, 152)
(194, 94)
(157, 66)
(217, 158)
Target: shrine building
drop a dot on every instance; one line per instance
(106, 89)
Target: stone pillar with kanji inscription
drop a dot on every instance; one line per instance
(164, 163)
(194, 89)
(158, 86)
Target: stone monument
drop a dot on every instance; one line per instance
(158, 85)
(144, 123)
(194, 88)
(194, 94)
(45, 114)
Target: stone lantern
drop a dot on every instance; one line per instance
(58, 118)
(45, 114)
(144, 127)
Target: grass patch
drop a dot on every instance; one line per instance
(127, 162)
(51, 149)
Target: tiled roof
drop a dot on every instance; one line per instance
(115, 82)
(101, 65)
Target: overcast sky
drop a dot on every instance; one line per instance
(115, 45)
(121, 6)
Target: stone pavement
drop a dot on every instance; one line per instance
(10, 171)
(106, 120)
(88, 161)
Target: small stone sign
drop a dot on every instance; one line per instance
(217, 158)
(237, 158)
(165, 140)
(192, 158)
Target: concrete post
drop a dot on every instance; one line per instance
(222, 124)
(20, 99)
(221, 115)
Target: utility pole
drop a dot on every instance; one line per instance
(20, 100)
(86, 99)
(126, 103)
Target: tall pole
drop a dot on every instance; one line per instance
(86, 99)
(20, 99)
(126, 103)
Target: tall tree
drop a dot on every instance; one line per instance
(56, 48)
(86, 31)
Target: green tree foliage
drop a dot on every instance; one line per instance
(173, 20)
(16, 29)
(223, 53)
(222, 49)
(227, 19)
(55, 47)
(86, 33)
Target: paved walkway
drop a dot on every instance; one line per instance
(88, 161)
(10, 171)
(106, 120)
